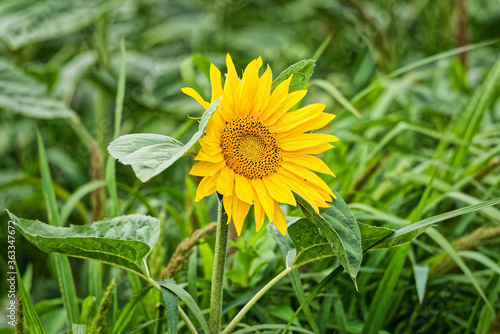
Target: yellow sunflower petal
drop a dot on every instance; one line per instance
(232, 80)
(227, 201)
(308, 161)
(263, 92)
(297, 117)
(265, 199)
(314, 149)
(291, 100)
(279, 219)
(195, 95)
(206, 187)
(306, 140)
(258, 212)
(203, 156)
(205, 168)
(240, 211)
(209, 145)
(279, 192)
(314, 124)
(279, 95)
(300, 187)
(307, 175)
(248, 87)
(215, 82)
(225, 182)
(243, 188)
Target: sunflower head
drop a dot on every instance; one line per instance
(257, 152)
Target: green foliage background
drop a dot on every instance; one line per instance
(429, 129)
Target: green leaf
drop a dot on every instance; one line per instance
(284, 242)
(128, 310)
(370, 235)
(338, 225)
(21, 94)
(45, 20)
(191, 304)
(301, 72)
(151, 154)
(172, 307)
(309, 244)
(432, 220)
(382, 298)
(337, 95)
(421, 273)
(29, 311)
(123, 241)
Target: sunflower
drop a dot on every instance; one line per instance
(257, 152)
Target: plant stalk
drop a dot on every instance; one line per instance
(220, 255)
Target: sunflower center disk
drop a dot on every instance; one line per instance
(249, 148)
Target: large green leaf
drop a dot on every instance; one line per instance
(309, 244)
(123, 241)
(150, 154)
(338, 225)
(301, 72)
(21, 94)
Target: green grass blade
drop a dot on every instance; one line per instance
(61, 263)
(110, 163)
(29, 311)
(191, 304)
(382, 299)
(468, 125)
(128, 310)
(48, 189)
(299, 292)
(448, 248)
(322, 286)
(337, 96)
(439, 218)
(76, 197)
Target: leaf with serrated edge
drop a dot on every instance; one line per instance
(150, 154)
(338, 225)
(123, 241)
(301, 72)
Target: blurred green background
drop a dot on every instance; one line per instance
(429, 118)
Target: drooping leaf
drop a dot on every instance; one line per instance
(338, 225)
(21, 94)
(123, 241)
(172, 307)
(150, 154)
(301, 72)
(186, 298)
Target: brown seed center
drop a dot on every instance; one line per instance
(249, 148)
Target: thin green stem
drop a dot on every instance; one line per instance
(254, 299)
(218, 271)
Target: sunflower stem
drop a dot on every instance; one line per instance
(214, 322)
